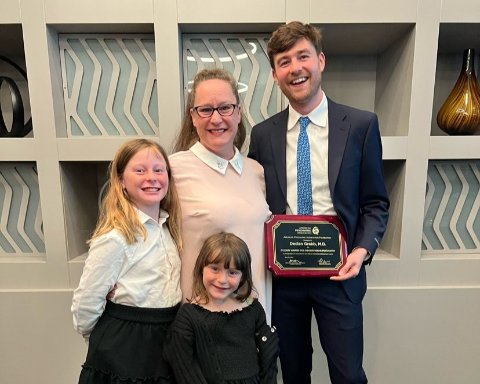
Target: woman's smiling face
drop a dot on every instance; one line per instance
(216, 132)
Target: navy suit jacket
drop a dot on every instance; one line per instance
(355, 175)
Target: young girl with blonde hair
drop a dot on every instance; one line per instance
(133, 255)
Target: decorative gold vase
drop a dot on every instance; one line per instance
(460, 114)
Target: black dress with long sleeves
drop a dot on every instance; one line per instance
(205, 347)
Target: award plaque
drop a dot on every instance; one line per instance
(302, 246)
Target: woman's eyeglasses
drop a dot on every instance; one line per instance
(223, 110)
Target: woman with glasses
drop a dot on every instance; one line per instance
(219, 188)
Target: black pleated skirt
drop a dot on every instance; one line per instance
(126, 346)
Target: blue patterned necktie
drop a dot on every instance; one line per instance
(304, 176)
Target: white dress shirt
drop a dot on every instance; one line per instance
(318, 138)
(147, 273)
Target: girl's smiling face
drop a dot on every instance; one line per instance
(145, 180)
(220, 282)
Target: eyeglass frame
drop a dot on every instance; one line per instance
(215, 109)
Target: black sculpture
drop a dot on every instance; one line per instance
(18, 129)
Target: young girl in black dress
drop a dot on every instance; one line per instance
(133, 255)
(221, 335)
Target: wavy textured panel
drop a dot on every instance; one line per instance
(109, 82)
(20, 213)
(245, 56)
(452, 220)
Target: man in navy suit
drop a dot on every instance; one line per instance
(346, 180)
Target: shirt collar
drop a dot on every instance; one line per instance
(215, 162)
(143, 217)
(318, 116)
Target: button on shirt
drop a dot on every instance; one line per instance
(317, 132)
(147, 273)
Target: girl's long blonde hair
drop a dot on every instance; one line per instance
(118, 212)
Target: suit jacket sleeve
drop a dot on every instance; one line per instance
(373, 197)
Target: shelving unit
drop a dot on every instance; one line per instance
(399, 59)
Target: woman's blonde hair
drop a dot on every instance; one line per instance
(117, 211)
(188, 134)
(223, 248)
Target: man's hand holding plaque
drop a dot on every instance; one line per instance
(301, 246)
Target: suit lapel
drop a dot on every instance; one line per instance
(338, 129)
(278, 140)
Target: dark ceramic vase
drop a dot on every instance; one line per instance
(460, 114)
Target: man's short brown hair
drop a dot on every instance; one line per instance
(288, 34)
